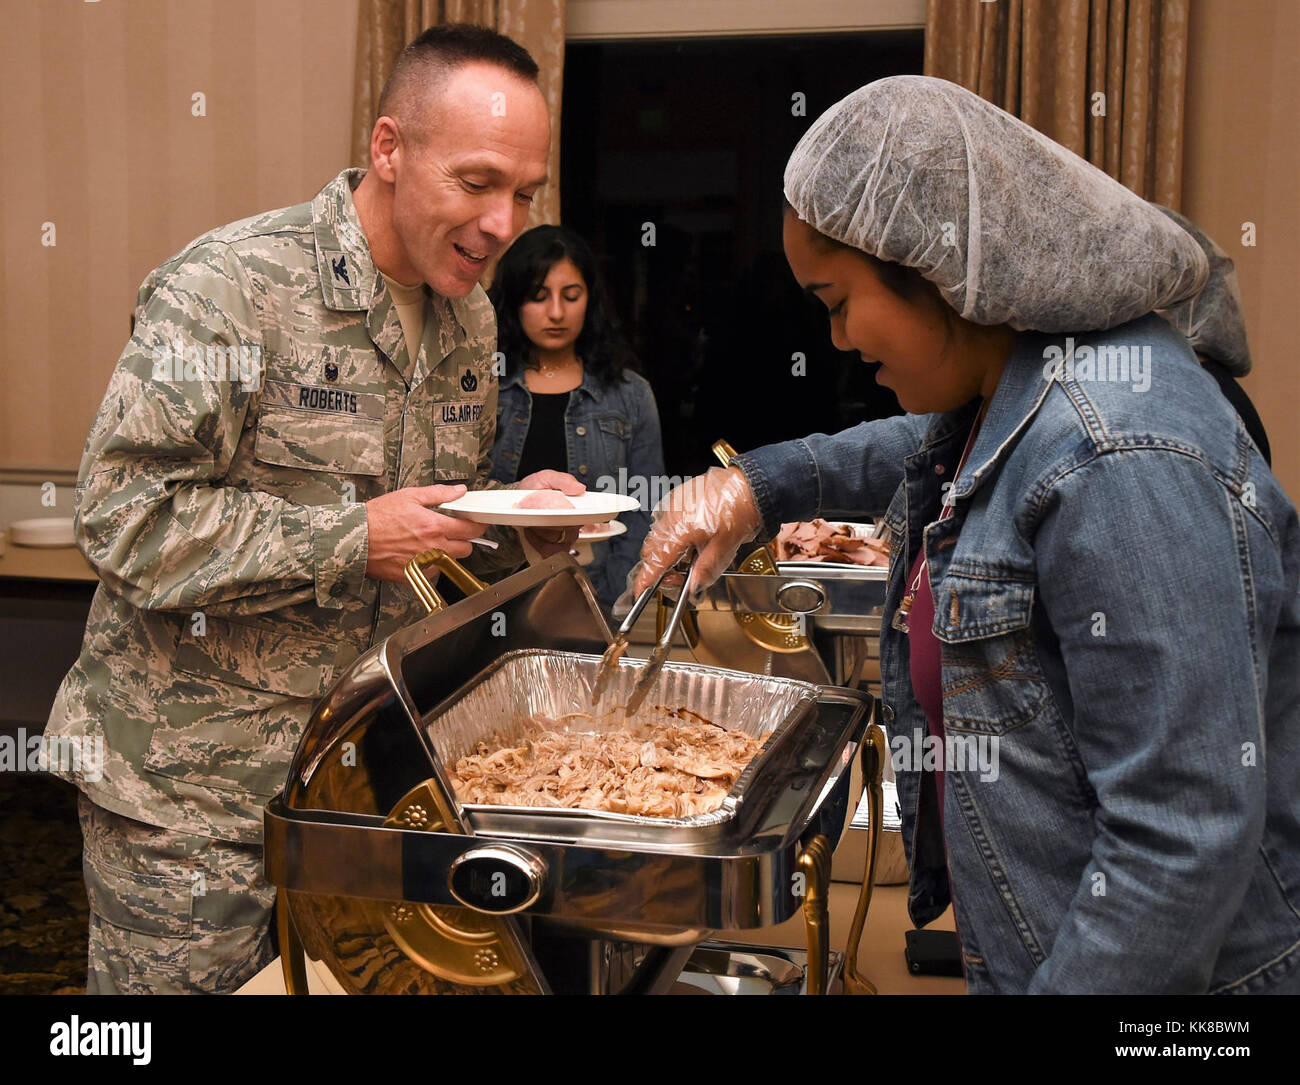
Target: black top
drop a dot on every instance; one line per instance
(545, 448)
(1236, 395)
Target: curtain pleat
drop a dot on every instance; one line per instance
(1046, 61)
(1098, 50)
(1171, 104)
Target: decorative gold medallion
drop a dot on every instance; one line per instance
(455, 944)
(774, 632)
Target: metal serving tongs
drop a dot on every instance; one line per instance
(618, 646)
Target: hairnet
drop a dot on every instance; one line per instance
(1212, 319)
(1010, 226)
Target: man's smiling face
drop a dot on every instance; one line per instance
(464, 180)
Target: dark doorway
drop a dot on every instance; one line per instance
(687, 140)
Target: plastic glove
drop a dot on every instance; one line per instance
(715, 513)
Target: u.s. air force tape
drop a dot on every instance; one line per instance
(456, 411)
(328, 400)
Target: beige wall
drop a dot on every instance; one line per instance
(97, 136)
(1243, 165)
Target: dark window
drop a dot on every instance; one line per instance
(692, 137)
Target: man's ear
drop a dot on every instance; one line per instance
(384, 148)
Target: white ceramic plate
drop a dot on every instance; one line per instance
(612, 529)
(498, 507)
(46, 533)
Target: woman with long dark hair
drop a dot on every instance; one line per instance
(569, 397)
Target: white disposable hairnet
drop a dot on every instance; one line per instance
(1212, 319)
(1010, 226)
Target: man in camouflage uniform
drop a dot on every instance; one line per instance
(257, 476)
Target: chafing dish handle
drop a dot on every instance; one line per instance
(457, 573)
(873, 767)
(293, 961)
(724, 451)
(815, 865)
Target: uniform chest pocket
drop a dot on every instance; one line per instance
(456, 448)
(319, 441)
(992, 682)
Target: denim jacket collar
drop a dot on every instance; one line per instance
(1018, 397)
(590, 385)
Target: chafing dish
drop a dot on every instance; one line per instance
(397, 886)
(814, 620)
(831, 610)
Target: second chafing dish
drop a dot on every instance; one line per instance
(818, 621)
(837, 598)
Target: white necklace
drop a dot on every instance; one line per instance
(551, 370)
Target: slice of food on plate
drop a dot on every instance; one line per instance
(544, 499)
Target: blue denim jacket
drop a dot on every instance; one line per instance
(612, 436)
(1116, 600)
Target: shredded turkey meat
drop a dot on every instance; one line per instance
(819, 540)
(677, 767)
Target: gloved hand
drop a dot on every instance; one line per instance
(714, 512)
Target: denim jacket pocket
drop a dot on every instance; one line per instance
(615, 433)
(991, 679)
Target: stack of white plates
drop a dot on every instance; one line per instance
(47, 532)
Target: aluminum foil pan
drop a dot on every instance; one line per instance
(522, 684)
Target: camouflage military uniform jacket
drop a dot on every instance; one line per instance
(225, 517)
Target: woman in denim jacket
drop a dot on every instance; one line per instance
(568, 399)
(1094, 616)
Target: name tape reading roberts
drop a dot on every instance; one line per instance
(311, 397)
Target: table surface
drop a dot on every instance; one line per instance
(36, 563)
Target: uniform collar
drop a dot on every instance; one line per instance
(347, 272)
(350, 282)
